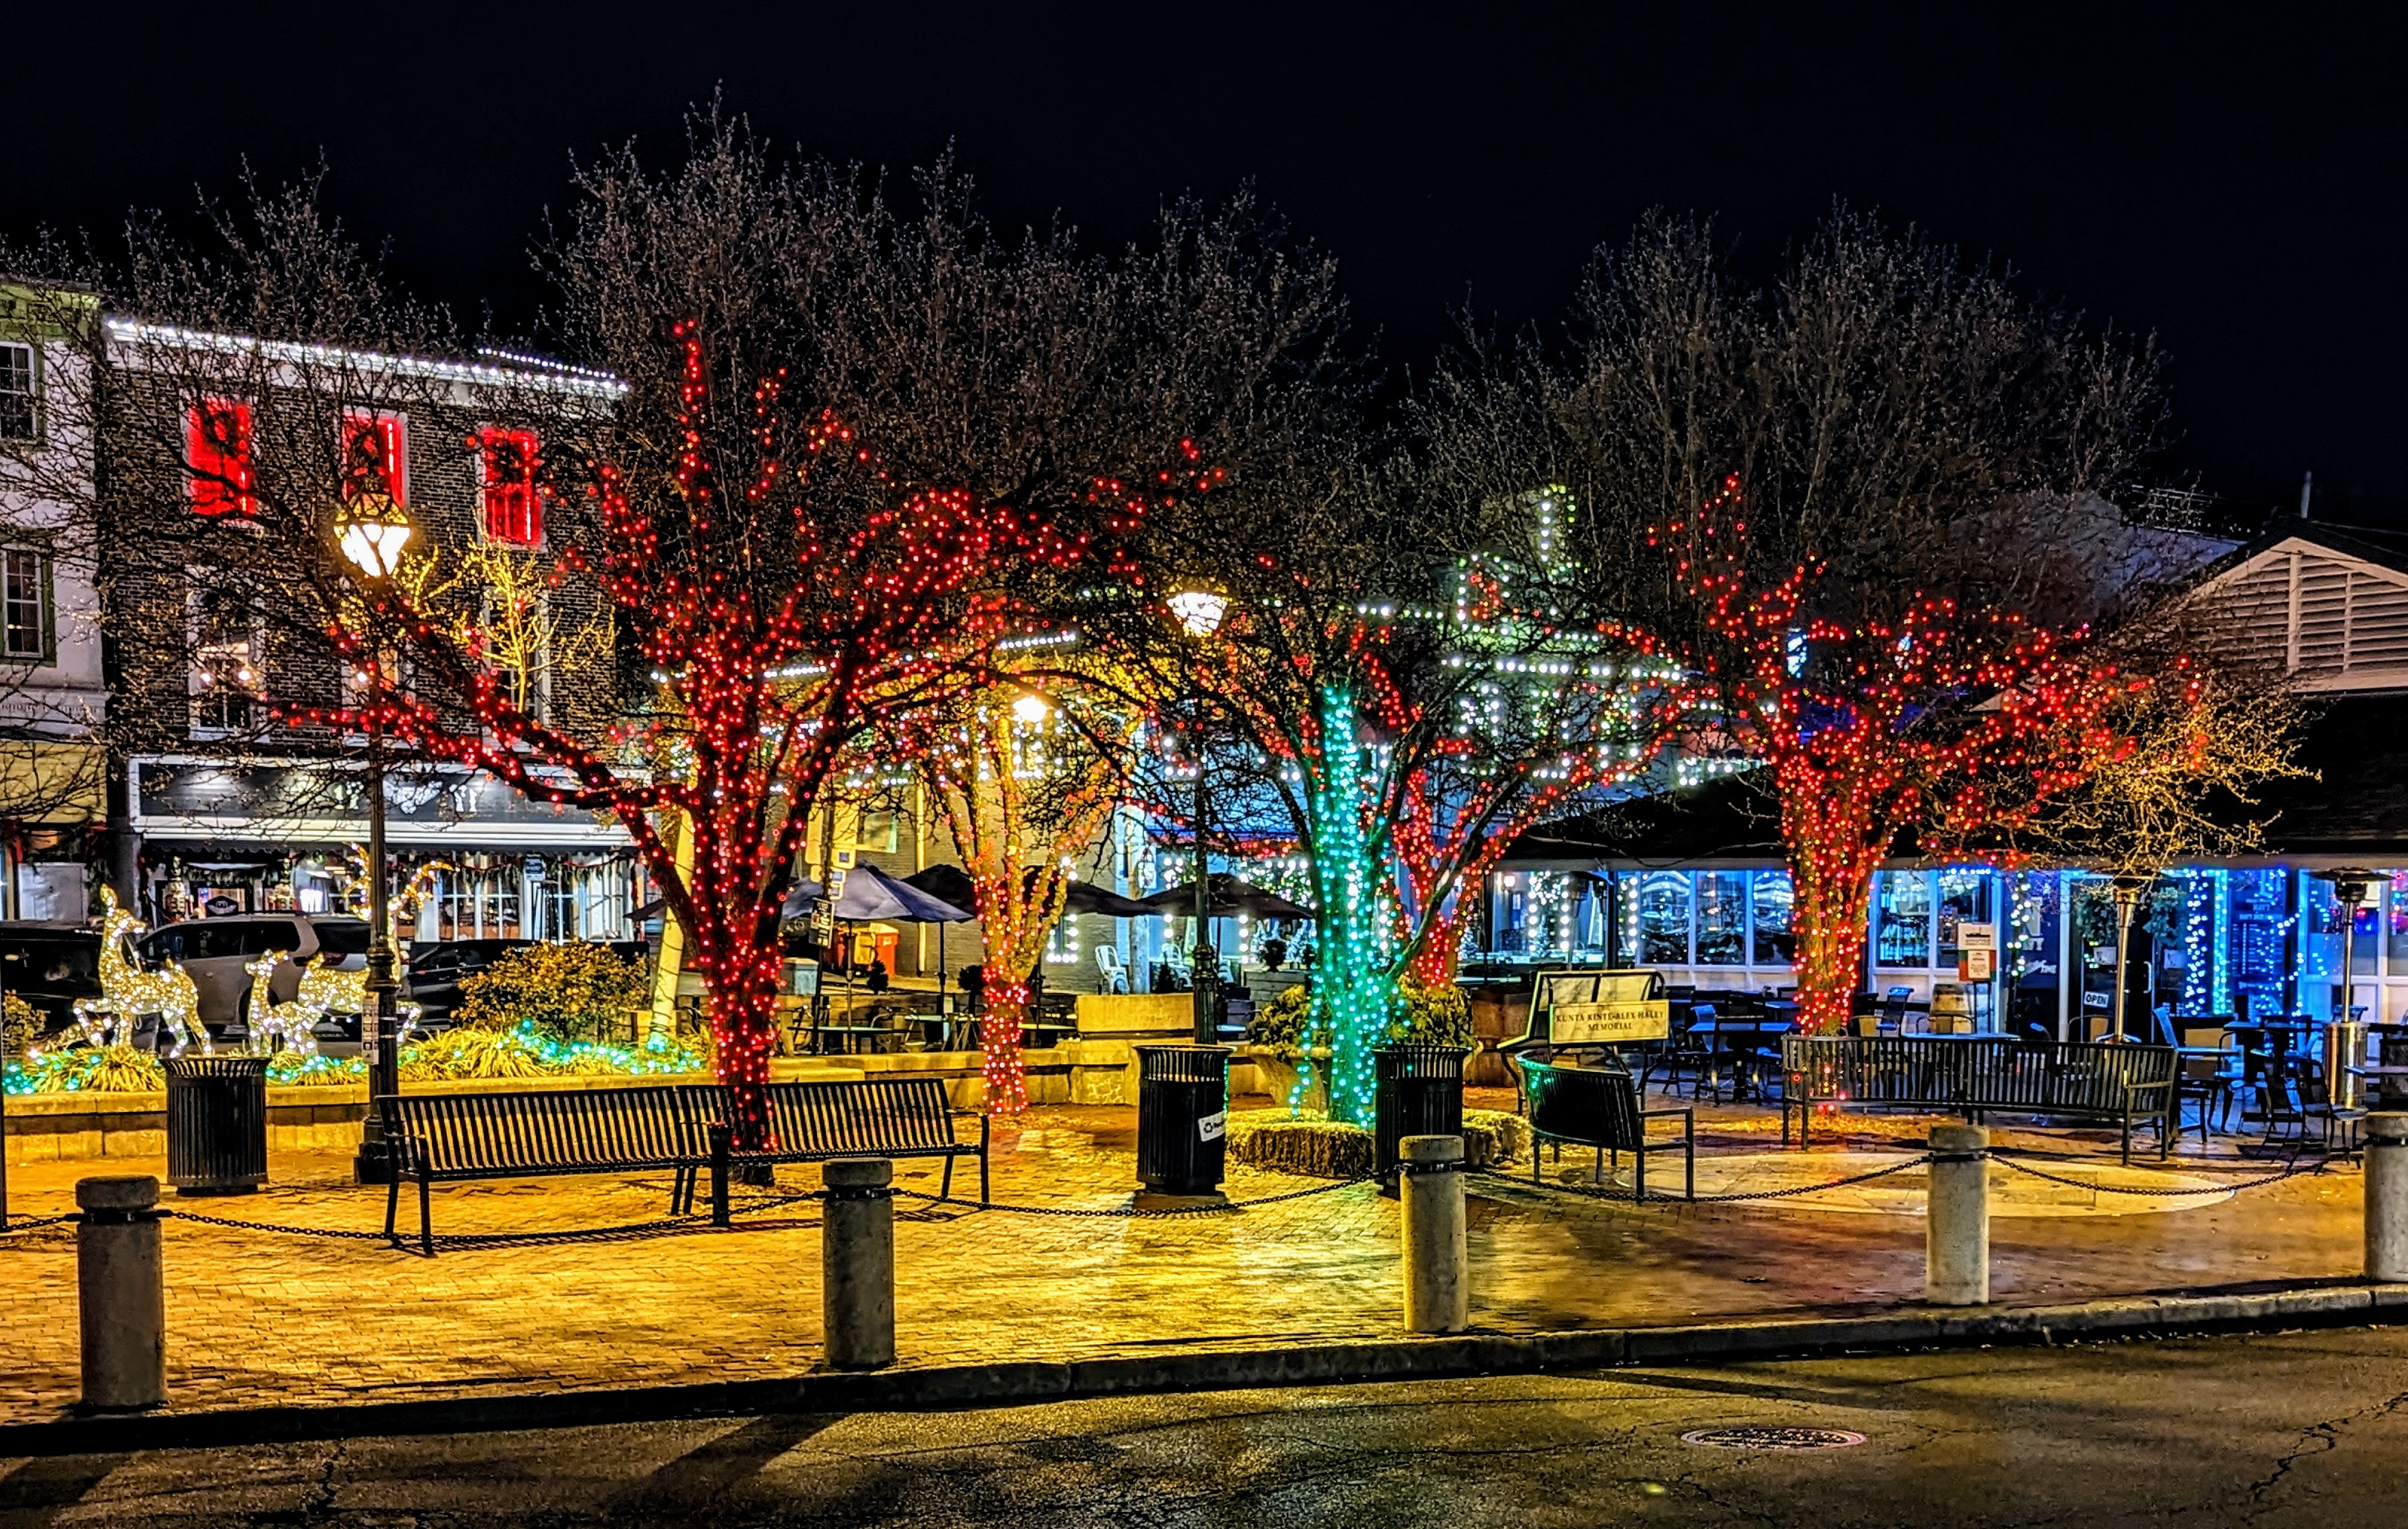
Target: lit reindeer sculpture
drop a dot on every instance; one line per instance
(327, 989)
(127, 991)
(273, 1024)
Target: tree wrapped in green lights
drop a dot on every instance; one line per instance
(1408, 674)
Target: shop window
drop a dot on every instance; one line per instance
(20, 418)
(2259, 907)
(1964, 898)
(481, 902)
(1664, 919)
(376, 456)
(1774, 933)
(879, 832)
(1062, 944)
(2395, 926)
(513, 501)
(1902, 918)
(2367, 938)
(217, 448)
(1721, 917)
(25, 621)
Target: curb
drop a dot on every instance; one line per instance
(2354, 1304)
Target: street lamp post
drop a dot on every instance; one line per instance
(372, 529)
(1199, 612)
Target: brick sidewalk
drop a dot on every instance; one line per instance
(256, 1319)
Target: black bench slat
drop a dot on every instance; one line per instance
(2123, 1081)
(453, 1138)
(1600, 1108)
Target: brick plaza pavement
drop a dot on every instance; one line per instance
(255, 1319)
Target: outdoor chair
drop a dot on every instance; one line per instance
(2208, 1082)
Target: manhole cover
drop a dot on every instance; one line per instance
(1765, 1436)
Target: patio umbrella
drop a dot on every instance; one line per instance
(871, 895)
(1227, 896)
(952, 884)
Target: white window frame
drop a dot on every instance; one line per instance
(46, 603)
(33, 394)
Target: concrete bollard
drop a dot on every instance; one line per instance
(1438, 1284)
(857, 1265)
(1957, 1230)
(120, 1293)
(2387, 1196)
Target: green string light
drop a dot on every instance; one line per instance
(1355, 999)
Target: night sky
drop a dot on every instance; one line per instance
(2230, 182)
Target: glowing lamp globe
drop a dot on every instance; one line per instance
(1199, 612)
(1032, 708)
(372, 529)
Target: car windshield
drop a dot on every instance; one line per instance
(342, 938)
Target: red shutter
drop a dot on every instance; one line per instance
(218, 446)
(513, 504)
(376, 455)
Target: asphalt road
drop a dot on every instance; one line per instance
(2308, 1429)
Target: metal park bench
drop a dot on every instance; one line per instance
(443, 1138)
(1598, 1108)
(817, 1122)
(677, 1129)
(2131, 1084)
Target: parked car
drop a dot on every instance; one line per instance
(437, 967)
(49, 966)
(214, 950)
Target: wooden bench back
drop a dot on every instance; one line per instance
(539, 1130)
(875, 1115)
(1592, 1106)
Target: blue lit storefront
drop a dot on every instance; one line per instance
(2207, 941)
(1691, 883)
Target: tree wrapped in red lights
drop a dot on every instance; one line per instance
(1942, 730)
(855, 450)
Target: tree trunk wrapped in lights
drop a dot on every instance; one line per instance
(1023, 791)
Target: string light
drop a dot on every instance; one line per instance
(1872, 742)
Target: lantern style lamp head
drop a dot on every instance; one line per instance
(1032, 708)
(1199, 612)
(372, 529)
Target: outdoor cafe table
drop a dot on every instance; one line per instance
(1742, 1039)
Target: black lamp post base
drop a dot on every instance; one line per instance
(374, 1163)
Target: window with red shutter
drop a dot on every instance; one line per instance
(513, 503)
(218, 450)
(376, 455)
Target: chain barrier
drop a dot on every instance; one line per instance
(1601, 1192)
(2217, 1186)
(1135, 1213)
(27, 1223)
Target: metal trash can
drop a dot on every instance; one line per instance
(2344, 1054)
(1416, 1090)
(216, 1123)
(1182, 1113)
